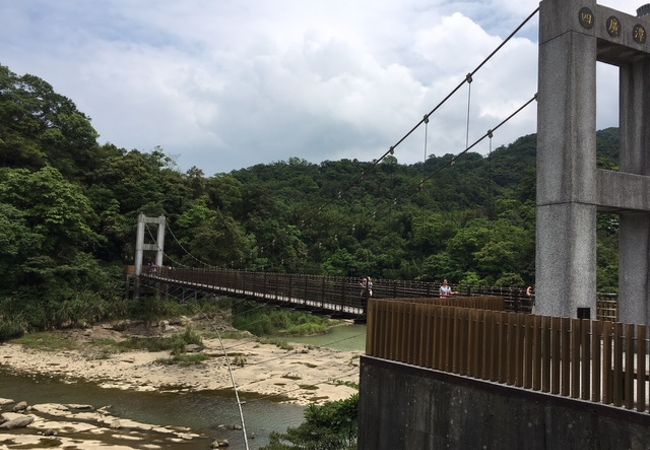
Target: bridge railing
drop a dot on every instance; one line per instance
(318, 290)
(593, 360)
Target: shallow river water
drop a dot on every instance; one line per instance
(201, 411)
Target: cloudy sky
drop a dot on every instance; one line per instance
(225, 84)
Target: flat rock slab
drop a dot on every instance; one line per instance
(18, 422)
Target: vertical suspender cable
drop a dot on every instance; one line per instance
(426, 137)
(469, 102)
(490, 135)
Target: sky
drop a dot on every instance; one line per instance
(226, 84)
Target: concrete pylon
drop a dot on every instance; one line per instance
(634, 237)
(158, 246)
(574, 36)
(566, 162)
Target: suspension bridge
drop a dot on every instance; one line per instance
(570, 357)
(335, 296)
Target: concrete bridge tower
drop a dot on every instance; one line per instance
(158, 246)
(571, 190)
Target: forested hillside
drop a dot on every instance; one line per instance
(68, 208)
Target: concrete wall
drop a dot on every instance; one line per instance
(405, 407)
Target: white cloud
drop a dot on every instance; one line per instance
(232, 83)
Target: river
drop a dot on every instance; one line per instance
(201, 411)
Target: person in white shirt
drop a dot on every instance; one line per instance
(445, 289)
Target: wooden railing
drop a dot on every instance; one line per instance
(342, 291)
(592, 360)
(607, 307)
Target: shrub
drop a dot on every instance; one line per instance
(332, 426)
(10, 328)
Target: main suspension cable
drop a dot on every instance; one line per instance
(465, 80)
(425, 119)
(146, 226)
(187, 251)
(488, 134)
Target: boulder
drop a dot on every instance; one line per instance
(193, 348)
(78, 407)
(292, 376)
(18, 422)
(220, 444)
(6, 401)
(22, 406)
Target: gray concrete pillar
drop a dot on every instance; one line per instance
(634, 264)
(160, 240)
(139, 245)
(566, 162)
(634, 233)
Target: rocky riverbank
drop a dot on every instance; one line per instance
(290, 372)
(82, 427)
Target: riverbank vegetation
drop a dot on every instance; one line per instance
(332, 426)
(269, 321)
(55, 341)
(68, 209)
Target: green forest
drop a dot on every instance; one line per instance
(68, 209)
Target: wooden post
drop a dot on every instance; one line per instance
(641, 371)
(596, 336)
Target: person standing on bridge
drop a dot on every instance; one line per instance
(366, 291)
(445, 289)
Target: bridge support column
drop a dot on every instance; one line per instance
(634, 237)
(158, 246)
(566, 162)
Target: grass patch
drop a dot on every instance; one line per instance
(176, 343)
(183, 360)
(270, 321)
(280, 343)
(48, 341)
(103, 348)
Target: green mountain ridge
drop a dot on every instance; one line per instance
(68, 207)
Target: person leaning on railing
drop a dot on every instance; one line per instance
(445, 289)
